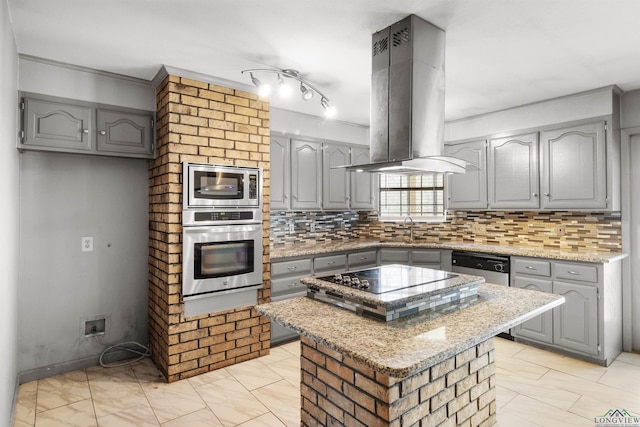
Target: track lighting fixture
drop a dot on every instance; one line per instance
(307, 90)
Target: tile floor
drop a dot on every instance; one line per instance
(534, 388)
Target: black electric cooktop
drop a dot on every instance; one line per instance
(388, 278)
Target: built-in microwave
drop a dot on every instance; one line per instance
(208, 186)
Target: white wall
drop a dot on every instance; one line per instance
(9, 166)
(292, 123)
(64, 197)
(595, 103)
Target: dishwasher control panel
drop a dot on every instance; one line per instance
(480, 261)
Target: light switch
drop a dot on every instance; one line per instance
(87, 244)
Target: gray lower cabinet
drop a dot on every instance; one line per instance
(285, 283)
(427, 258)
(328, 264)
(540, 328)
(70, 126)
(589, 323)
(361, 260)
(576, 321)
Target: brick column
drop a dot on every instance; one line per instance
(206, 123)
(340, 391)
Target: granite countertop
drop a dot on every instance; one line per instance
(402, 347)
(317, 248)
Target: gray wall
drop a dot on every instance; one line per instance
(9, 161)
(64, 197)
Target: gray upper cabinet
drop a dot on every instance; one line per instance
(53, 126)
(468, 190)
(364, 185)
(335, 181)
(512, 172)
(280, 171)
(306, 174)
(574, 167)
(59, 124)
(122, 132)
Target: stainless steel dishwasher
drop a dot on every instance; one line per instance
(494, 269)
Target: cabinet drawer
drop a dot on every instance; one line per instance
(394, 256)
(329, 263)
(583, 273)
(531, 266)
(360, 259)
(425, 257)
(299, 267)
(283, 287)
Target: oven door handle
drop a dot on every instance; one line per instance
(236, 228)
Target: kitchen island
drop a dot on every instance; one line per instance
(432, 366)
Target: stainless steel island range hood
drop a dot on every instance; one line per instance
(407, 100)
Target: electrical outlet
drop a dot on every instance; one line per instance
(291, 228)
(87, 244)
(313, 227)
(561, 230)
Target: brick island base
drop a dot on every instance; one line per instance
(337, 390)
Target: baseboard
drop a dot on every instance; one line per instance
(73, 365)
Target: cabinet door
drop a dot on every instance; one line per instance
(575, 323)
(335, 181)
(125, 133)
(540, 328)
(394, 256)
(360, 260)
(468, 190)
(280, 173)
(426, 258)
(574, 167)
(364, 185)
(512, 172)
(57, 126)
(306, 175)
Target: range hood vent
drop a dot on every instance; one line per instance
(407, 100)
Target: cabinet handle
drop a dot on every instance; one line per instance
(292, 268)
(286, 197)
(364, 258)
(103, 132)
(528, 267)
(85, 130)
(292, 284)
(575, 273)
(547, 194)
(535, 194)
(331, 262)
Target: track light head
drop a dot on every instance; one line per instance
(307, 93)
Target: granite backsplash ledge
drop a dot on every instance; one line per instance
(567, 231)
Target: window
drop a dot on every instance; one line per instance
(419, 196)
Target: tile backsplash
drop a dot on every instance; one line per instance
(571, 231)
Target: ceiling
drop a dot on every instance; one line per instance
(500, 53)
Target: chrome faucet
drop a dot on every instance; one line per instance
(410, 226)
